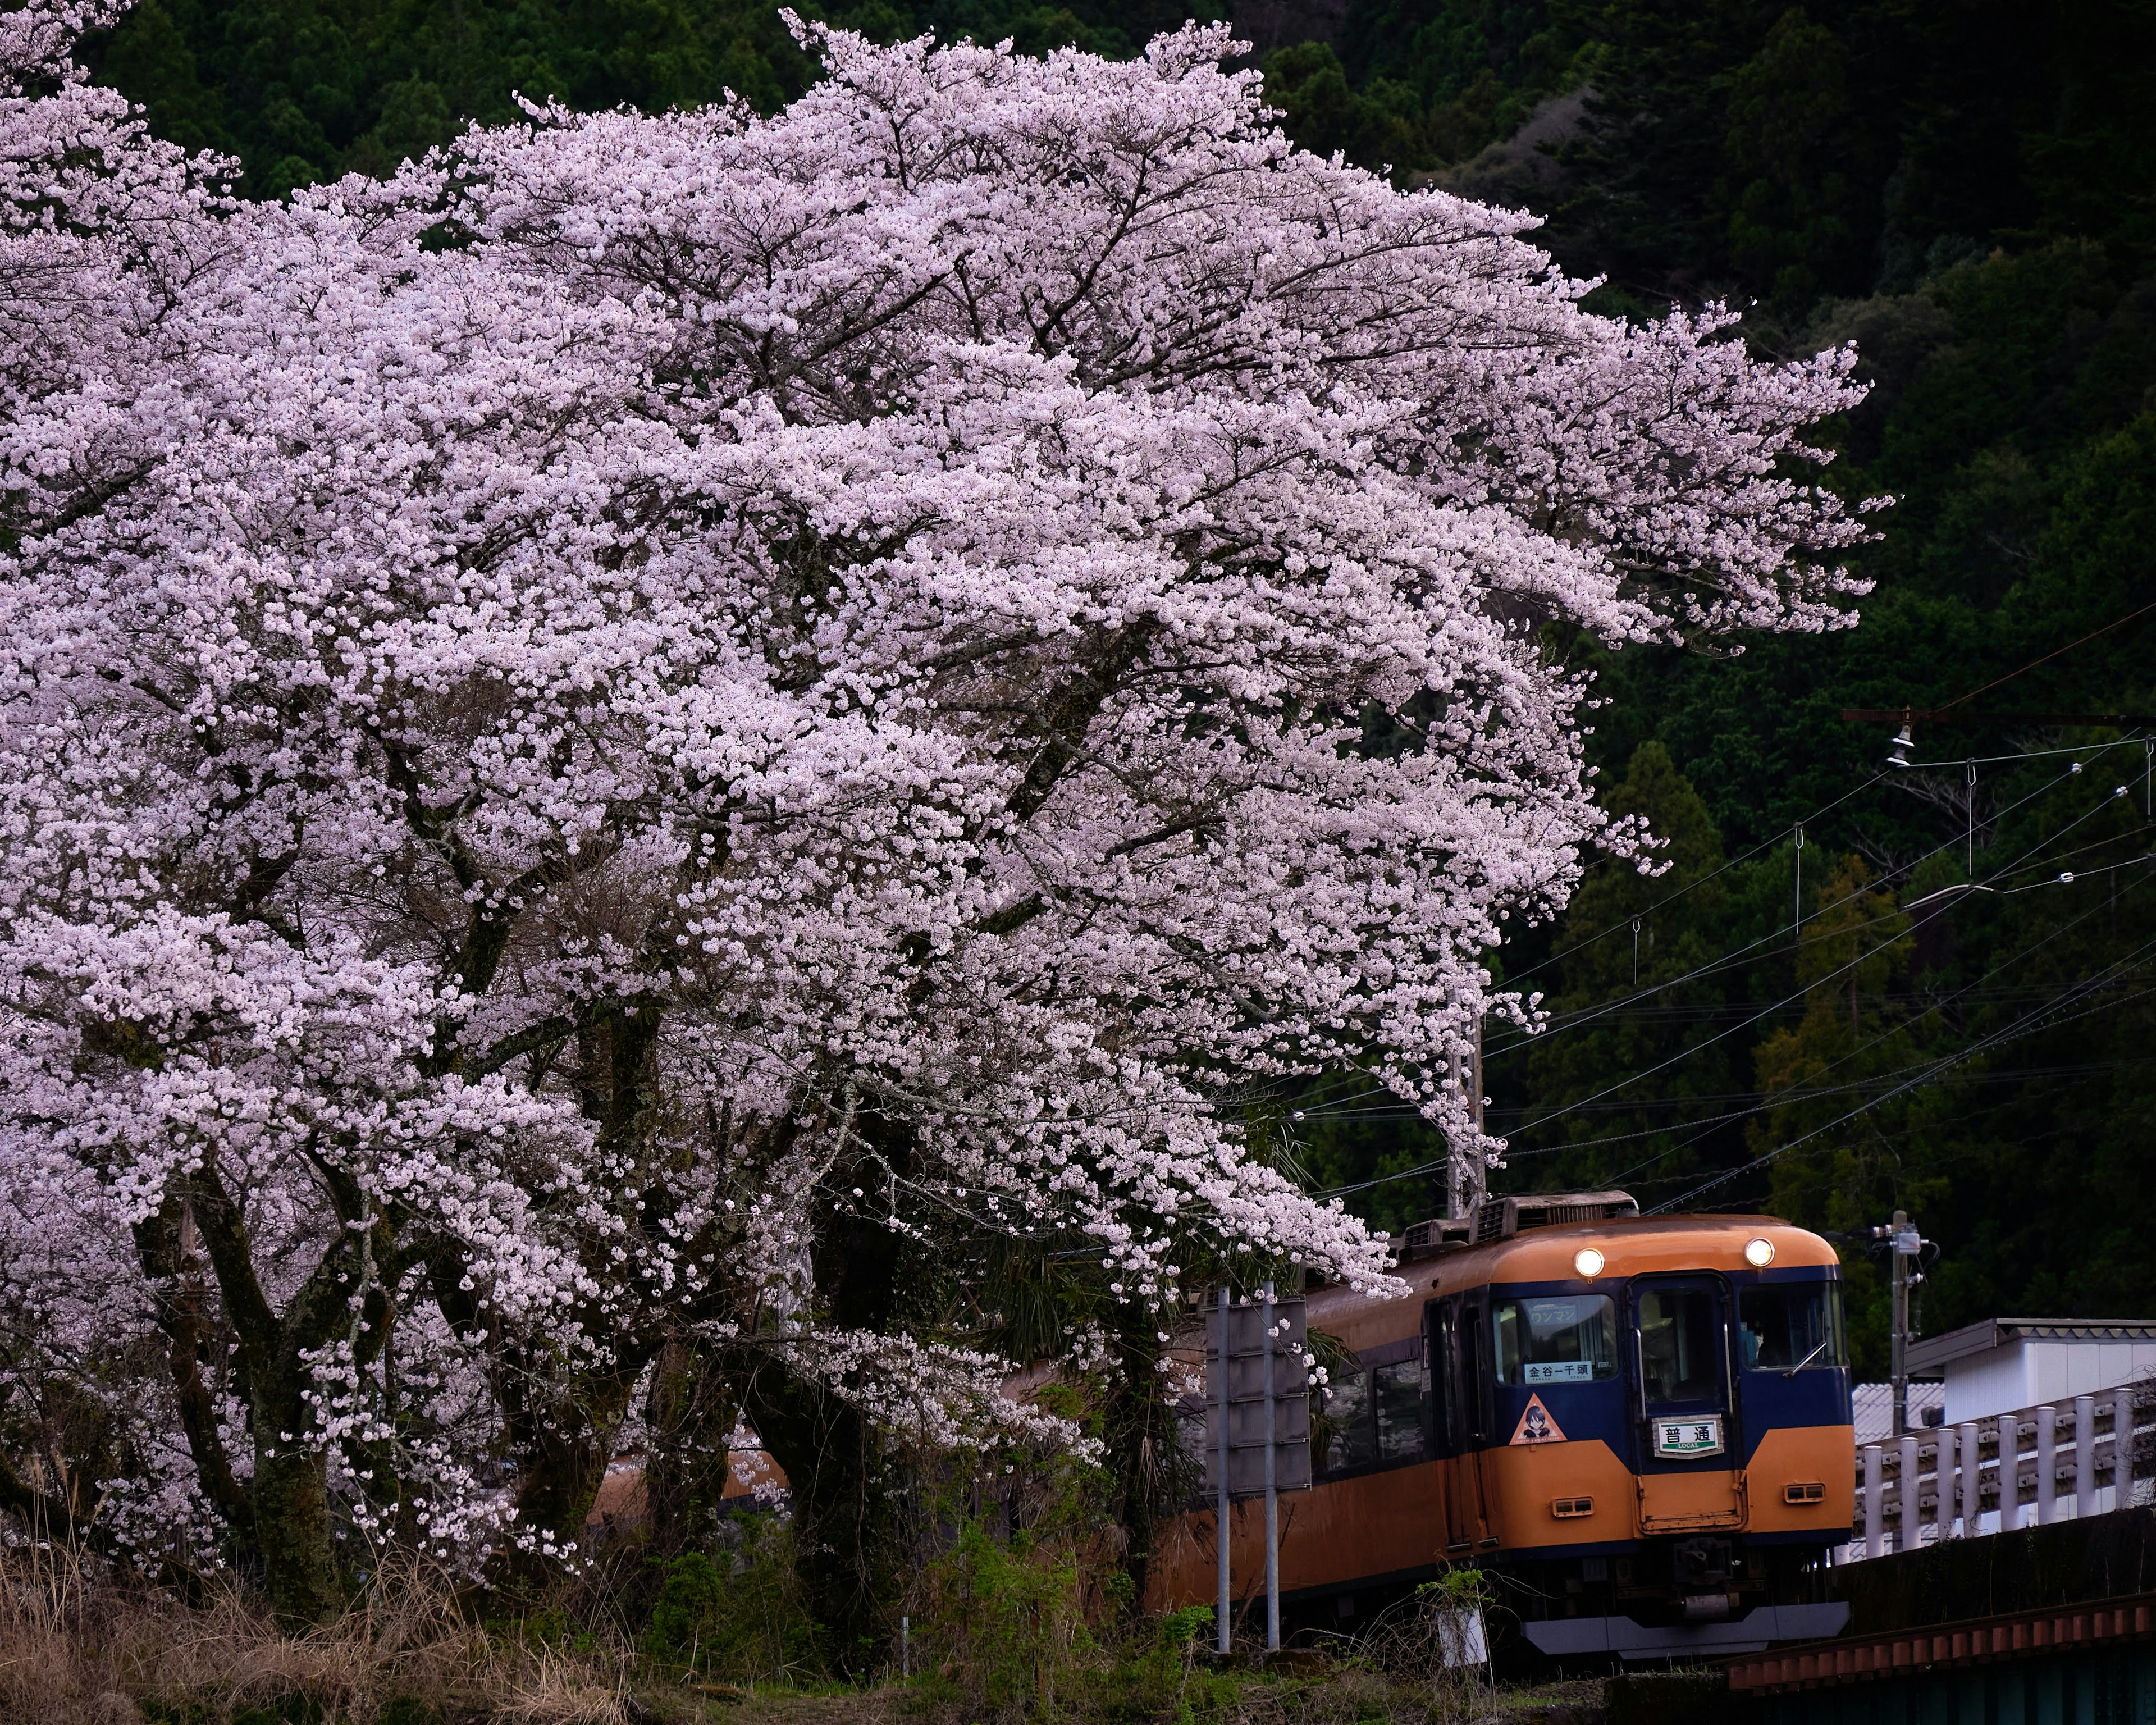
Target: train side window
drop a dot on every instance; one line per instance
(1450, 1436)
(1786, 1327)
(1432, 1441)
(1474, 1349)
(1566, 1338)
(1350, 1439)
(1396, 1394)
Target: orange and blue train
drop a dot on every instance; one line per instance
(1640, 1428)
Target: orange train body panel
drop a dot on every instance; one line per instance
(1525, 1480)
(1381, 1524)
(1692, 1502)
(1802, 1455)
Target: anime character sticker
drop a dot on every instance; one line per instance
(1536, 1426)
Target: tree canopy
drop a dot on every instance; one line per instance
(636, 760)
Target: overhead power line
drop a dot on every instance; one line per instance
(1947, 715)
(1772, 942)
(1974, 988)
(2028, 1023)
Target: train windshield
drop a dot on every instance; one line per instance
(1567, 1338)
(1678, 1345)
(1789, 1326)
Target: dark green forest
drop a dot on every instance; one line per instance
(1851, 986)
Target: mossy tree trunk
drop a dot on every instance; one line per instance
(285, 1513)
(689, 1413)
(846, 1530)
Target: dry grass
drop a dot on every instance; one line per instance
(78, 1651)
(77, 1648)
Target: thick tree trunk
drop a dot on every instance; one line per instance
(293, 1532)
(565, 1449)
(689, 1413)
(1140, 1429)
(846, 1537)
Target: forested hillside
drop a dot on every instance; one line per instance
(1968, 192)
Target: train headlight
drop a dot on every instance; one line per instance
(1587, 1262)
(1759, 1253)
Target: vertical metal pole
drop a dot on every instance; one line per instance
(1635, 952)
(2047, 1467)
(1972, 821)
(1220, 1509)
(1875, 1507)
(1899, 1342)
(1912, 1492)
(2084, 1454)
(1800, 878)
(1272, 1496)
(904, 1647)
(1972, 1483)
(1942, 1481)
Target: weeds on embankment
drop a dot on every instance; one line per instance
(1005, 1631)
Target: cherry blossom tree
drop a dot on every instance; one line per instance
(613, 749)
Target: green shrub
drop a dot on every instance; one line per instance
(1006, 1626)
(734, 1617)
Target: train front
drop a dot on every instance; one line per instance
(1661, 1449)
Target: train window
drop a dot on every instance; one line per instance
(1570, 1338)
(1678, 1345)
(1397, 1391)
(1349, 1438)
(1447, 1372)
(1475, 1372)
(1788, 1325)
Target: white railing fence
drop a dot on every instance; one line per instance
(2042, 1464)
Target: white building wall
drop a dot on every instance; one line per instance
(1993, 1382)
(2025, 1373)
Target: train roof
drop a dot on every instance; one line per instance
(1630, 1246)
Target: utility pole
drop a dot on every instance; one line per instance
(1906, 1244)
(1468, 1176)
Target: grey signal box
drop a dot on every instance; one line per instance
(1258, 1369)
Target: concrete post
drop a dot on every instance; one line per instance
(1910, 1514)
(1874, 1509)
(1943, 1479)
(2122, 1448)
(2047, 1467)
(2084, 1454)
(2010, 1472)
(1972, 1481)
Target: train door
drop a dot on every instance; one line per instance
(1449, 1423)
(1689, 1453)
(1475, 1420)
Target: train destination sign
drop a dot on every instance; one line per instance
(1696, 1434)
